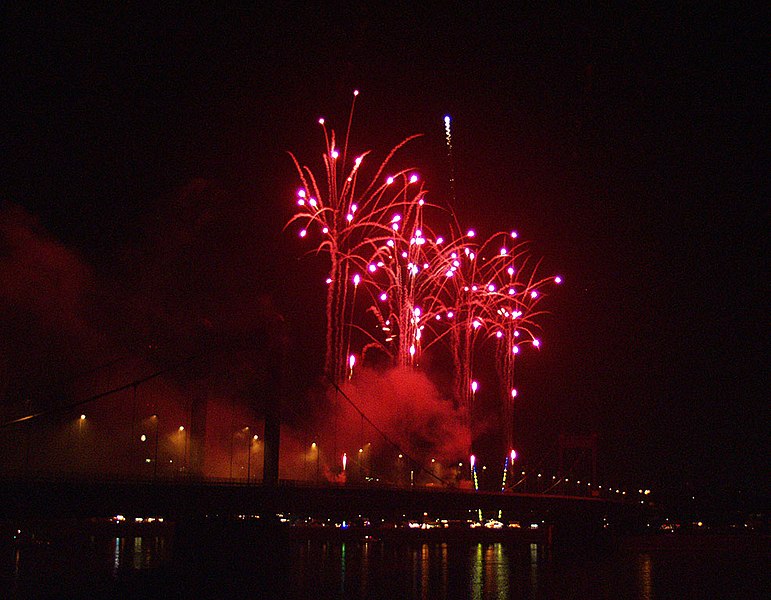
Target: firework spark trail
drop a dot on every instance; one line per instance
(448, 140)
(345, 221)
(407, 272)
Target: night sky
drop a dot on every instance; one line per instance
(627, 146)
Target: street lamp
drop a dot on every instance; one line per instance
(315, 447)
(184, 448)
(81, 452)
(155, 459)
(250, 440)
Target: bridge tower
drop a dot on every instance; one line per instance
(277, 370)
(579, 448)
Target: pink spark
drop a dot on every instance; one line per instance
(536, 342)
(334, 154)
(389, 180)
(474, 386)
(514, 235)
(301, 193)
(356, 279)
(471, 233)
(515, 349)
(491, 288)
(499, 334)
(558, 279)
(303, 233)
(513, 393)
(383, 297)
(413, 179)
(372, 268)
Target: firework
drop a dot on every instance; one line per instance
(343, 216)
(401, 285)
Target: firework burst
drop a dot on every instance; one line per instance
(480, 296)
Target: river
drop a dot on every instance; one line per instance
(236, 564)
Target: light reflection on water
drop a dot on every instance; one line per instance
(644, 574)
(373, 569)
(137, 553)
(366, 569)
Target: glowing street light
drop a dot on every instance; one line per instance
(184, 435)
(315, 448)
(155, 459)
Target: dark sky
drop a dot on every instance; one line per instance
(628, 146)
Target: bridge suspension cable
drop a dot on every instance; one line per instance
(385, 436)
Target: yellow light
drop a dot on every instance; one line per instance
(313, 444)
(182, 428)
(82, 417)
